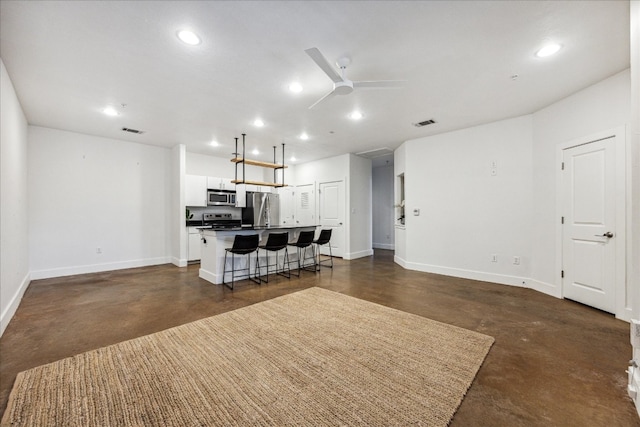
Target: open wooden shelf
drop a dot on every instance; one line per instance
(258, 163)
(268, 184)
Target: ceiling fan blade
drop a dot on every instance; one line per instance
(379, 83)
(327, 96)
(322, 62)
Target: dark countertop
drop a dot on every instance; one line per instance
(264, 227)
(285, 226)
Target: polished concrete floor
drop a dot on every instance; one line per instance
(554, 362)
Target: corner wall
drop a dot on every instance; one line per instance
(95, 204)
(355, 171)
(466, 216)
(359, 207)
(602, 106)
(467, 199)
(14, 230)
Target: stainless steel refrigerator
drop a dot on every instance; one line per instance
(263, 209)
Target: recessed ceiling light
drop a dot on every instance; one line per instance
(214, 144)
(255, 151)
(258, 123)
(548, 50)
(110, 111)
(356, 115)
(304, 136)
(188, 37)
(293, 159)
(295, 87)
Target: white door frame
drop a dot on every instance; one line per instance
(622, 299)
(344, 252)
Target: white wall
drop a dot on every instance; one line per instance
(356, 173)
(467, 214)
(201, 164)
(399, 168)
(177, 206)
(634, 162)
(331, 169)
(14, 248)
(359, 213)
(382, 207)
(602, 106)
(87, 192)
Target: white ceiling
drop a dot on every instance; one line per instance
(68, 60)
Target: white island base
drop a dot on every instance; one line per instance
(215, 242)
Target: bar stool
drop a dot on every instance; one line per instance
(242, 245)
(305, 239)
(323, 239)
(275, 243)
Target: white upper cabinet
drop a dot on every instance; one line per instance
(215, 183)
(196, 190)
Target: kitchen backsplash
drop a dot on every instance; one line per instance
(198, 211)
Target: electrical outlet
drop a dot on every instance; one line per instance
(98, 250)
(516, 260)
(493, 168)
(494, 258)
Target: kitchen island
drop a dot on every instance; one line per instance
(215, 241)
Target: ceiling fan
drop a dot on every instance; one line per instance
(341, 84)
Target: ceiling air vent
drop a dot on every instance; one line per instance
(132, 130)
(425, 123)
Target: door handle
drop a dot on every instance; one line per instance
(608, 235)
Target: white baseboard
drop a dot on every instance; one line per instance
(400, 261)
(545, 288)
(469, 274)
(96, 268)
(11, 308)
(388, 246)
(360, 254)
(179, 262)
(209, 276)
(625, 315)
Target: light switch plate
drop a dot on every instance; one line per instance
(416, 212)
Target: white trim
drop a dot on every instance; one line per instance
(179, 262)
(96, 268)
(619, 140)
(359, 254)
(400, 261)
(545, 288)
(389, 246)
(626, 314)
(209, 276)
(11, 308)
(469, 274)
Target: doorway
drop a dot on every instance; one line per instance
(592, 237)
(332, 213)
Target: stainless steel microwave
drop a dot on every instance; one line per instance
(221, 198)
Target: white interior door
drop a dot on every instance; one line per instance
(332, 211)
(305, 203)
(589, 232)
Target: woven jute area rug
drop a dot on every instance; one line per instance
(311, 358)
